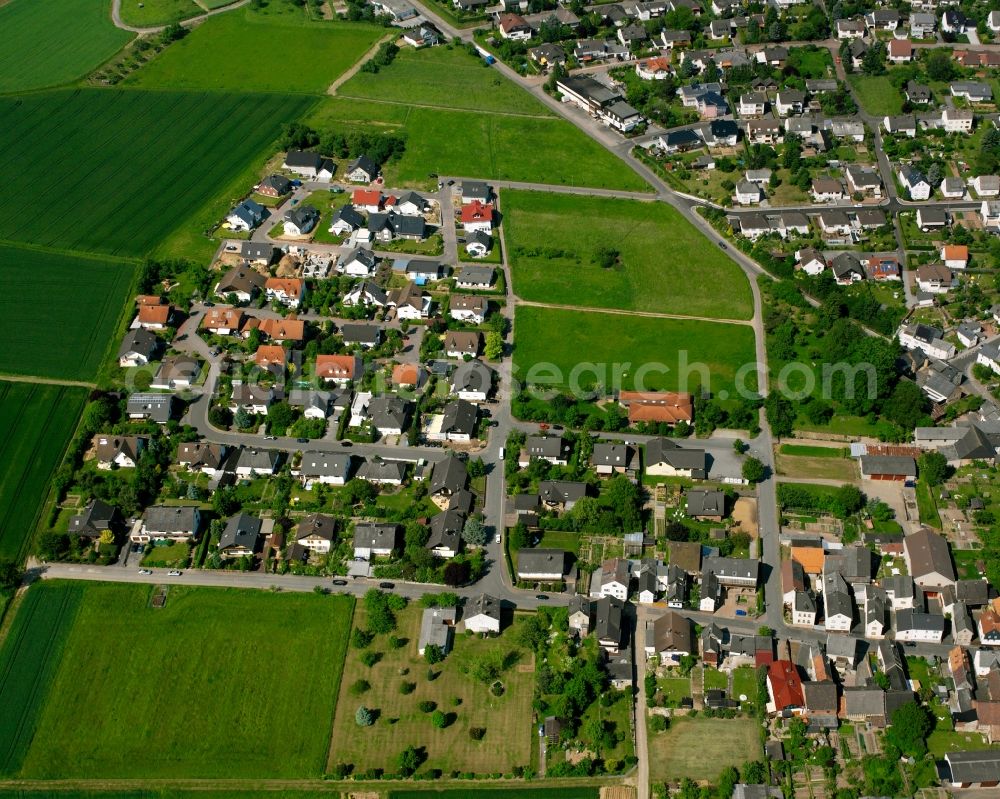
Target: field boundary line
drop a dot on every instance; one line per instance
(352, 70)
(48, 381)
(86, 254)
(336, 697)
(620, 312)
(432, 107)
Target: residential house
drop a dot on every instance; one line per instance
(612, 579)
(308, 164)
(514, 28)
(705, 504)
(935, 279)
(448, 478)
(317, 532)
(339, 369)
(561, 495)
(986, 185)
(928, 559)
(666, 458)
(475, 277)
(458, 344)
(926, 338)
(914, 182)
(888, 467)
(957, 120)
(669, 637)
(362, 170)
(445, 539)
(328, 468)
(482, 614)
(201, 456)
(838, 605)
(117, 452)
(900, 51)
(826, 189)
(246, 216)
(374, 540)
(931, 219)
(468, 308)
(437, 628)
(478, 244)
(167, 523)
(610, 458)
(863, 180)
(917, 93)
(784, 689)
(955, 256)
(811, 261)
(138, 348)
(580, 613)
(240, 536)
(472, 381)
(361, 335)
(288, 291)
(847, 269)
(609, 623)
(359, 262)
(972, 91)
(300, 220)
(748, 193)
(789, 102)
(542, 565)
(96, 519)
(241, 282)
(913, 625)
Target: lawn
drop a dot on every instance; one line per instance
(28, 659)
(124, 168)
(582, 792)
(445, 77)
(36, 422)
(807, 451)
(715, 679)
(675, 688)
(817, 466)
(218, 683)
(701, 748)
(481, 145)
(82, 299)
(288, 56)
(662, 354)
(926, 506)
(401, 723)
(175, 555)
(745, 683)
(556, 242)
(148, 13)
(877, 95)
(40, 48)
(941, 742)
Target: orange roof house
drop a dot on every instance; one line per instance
(657, 406)
(810, 555)
(288, 329)
(338, 368)
(150, 299)
(222, 318)
(285, 288)
(478, 214)
(784, 687)
(367, 198)
(155, 315)
(268, 354)
(407, 374)
(955, 255)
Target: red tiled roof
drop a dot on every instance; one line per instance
(336, 366)
(269, 353)
(289, 329)
(406, 374)
(289, 286)
(367, 197)
(477, 211)
(222, 318)
(154, 314)
(786, 685)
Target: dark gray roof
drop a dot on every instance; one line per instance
(476, 190)
(96, 517)
(371, 535)
(974, 767)
(389, 411)
(140, 341)
(378, 470)
(258, 251)
(241, 530)
(354, 218)
(541, 561)
(910, 619)
(472, 376)
(460, 417)
(171, 519)
(449, 476)
(608, 618)
(365, 163)
(157, 407)
(317, 524)
(483, 605)
(928, 553)
(360, 333)
(325, 464)
(446, 530)
(612, 454)
(706, 503)
(666, 450)
(560, 491)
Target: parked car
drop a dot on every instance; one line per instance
(387, 586)
(145, 571)
(173, 573)
(543, 597)
(302, 440)
(340, 582)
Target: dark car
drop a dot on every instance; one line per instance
(302, 440)
(208, 304)
(387, 586)
(723, 245)
(340, 582)
(541, 596)
(346, 443)
(181, 337)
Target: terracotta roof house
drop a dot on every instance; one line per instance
(784, 688)
(338, 368)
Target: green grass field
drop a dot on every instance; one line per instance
(583, 792)
(36, 422)
(28, 660)
(147, 13)
(567, 339)
(507, 719)
(218, 683)
(808, 451)
(701, 748)
(82, 299)
(554, 241)
(877, 95)
(288, 56)
(117, 170)
(481, 145)
(445, 77)
(41, 47)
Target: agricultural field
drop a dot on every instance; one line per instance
(401, 723)
(36, 422)
(557, 244)
(148, 13)
(125, 168)
(289, 56)
(83, 299)
(28, 660)
(877, 95)
(444, 77)
(40, 49)
(217, 683)
(575, 339)
(490, 145)
(828, 463)
(701, 748)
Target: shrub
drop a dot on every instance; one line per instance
(406, 688)
(371, 658)
(359, 687)
(427, 706)
(477, 733)
(364, 716)
(361, 638)
(439, 719)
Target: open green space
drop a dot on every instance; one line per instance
(675, 688)
(477, 144)
(809, 451)
(715, 679)
(59, 313)
(701, 748)
(120, 169)
(36, 422)
(745, 683)
(583, 792)
(877, 95)
(217, 683)
(446, 77)
(609, 253)
(148, 13)
(47, 44)
(827, 463)
(28, 660)
(552, 346)
(288, 55)
(926, 506)
(400, 723)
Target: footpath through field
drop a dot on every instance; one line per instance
(620, 312)
(45, 381)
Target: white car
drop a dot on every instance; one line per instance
(498, 538)
(173, 573)
(145, 571)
